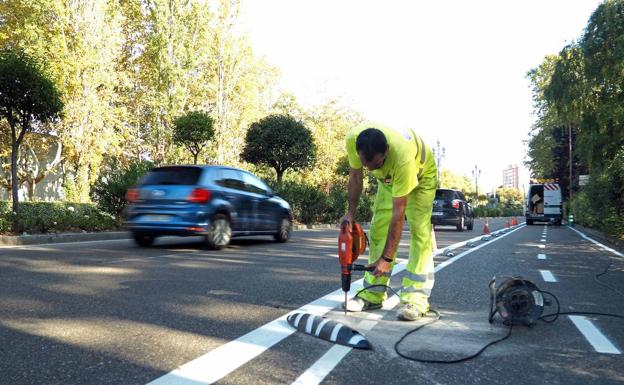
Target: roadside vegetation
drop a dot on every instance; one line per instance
(580, 128)
(133, 85)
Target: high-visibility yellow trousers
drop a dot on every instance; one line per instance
(418, 282)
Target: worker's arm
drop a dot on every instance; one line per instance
(356, 178)
(382, 266)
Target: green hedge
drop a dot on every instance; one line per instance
(310, 205)
(109, 191)
(482, 211)
(46, 217)
(600, 203)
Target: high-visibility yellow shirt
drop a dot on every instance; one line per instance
(409, 159)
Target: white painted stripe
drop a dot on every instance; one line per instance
(335, 332)
(355, 339)
(299, 316)
(309, 324)
(548, 276)
(328, 362)
(223, 360)
(543, 240)
(320, 327)
(542, 246)
(317, 372)
(597, 243)
(598, 340)
(367, 324)
(541, 256)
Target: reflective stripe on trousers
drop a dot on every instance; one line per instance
(417, 284)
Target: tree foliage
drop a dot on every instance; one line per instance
(28, 100)
(579, 97)
(280, 142)
(193, 130)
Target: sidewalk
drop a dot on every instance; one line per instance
(35, 239)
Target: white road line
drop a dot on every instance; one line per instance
(548, 276)
(543, 240)
(542, 246)
(541, 256)
(598, 340)
(314, 376)
(597, 243)
(317, 372)
(219, 362)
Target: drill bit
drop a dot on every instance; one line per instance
(345, 304)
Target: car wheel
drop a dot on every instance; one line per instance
(471, 224)
(283, 233)
(219, 233)
(143, 240)
(461, 223)
(529, 222)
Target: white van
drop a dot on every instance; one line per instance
(543, 203)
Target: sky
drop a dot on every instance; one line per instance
(453, 71)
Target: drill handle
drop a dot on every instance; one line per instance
(357, 267)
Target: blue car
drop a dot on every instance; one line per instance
(216, 202)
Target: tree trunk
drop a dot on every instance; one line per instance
(14, 182)
(195, 157)
(280, 174)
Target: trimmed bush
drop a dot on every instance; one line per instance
(45, 217)
(311, 205)
(110, 190)
(600, 203)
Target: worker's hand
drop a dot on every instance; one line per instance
(347, 217)
(382, 267)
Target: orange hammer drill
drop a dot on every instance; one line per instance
(351, 244)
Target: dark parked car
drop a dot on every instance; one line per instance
(450, 208)
(216, 202)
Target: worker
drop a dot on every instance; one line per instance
(406, 175)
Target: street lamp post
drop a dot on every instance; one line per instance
(475, 174)
(439, 154)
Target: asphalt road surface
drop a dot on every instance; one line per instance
(108, 312)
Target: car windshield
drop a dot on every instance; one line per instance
(172, 176)
(446, 195)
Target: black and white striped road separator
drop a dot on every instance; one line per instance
(328, 330)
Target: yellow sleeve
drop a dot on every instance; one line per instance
(405, 179)
(354, 159)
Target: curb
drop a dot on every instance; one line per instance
(35, 239)
(8, 240)
(601, 236)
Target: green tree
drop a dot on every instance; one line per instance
(80, 42)
(240, 84)
(193, 130)
(28, 100)
(453, 180)
(280, 142)
(110, 189)
(509, 197)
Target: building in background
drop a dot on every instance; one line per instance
(510, 177)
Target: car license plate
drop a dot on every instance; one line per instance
(156, 218)
(436, 213)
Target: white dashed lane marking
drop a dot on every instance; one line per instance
(598, 341)
(548, 276)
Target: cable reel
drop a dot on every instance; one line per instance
(518, 301)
